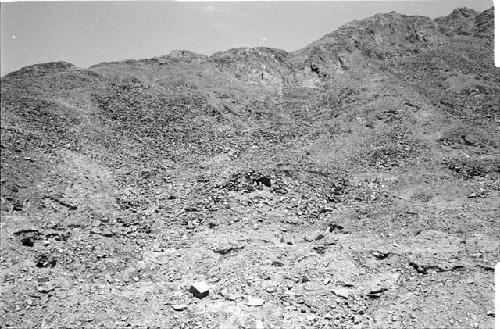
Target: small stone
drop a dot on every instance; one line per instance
(45, 287)
(358, 319)
(253, 301)
(348, 283)
(490, 313)
(107, 233)
(341, 292)
(45, 261)
(319, 237)
(327, 316)
(310, 317)
(199, 289)
(380, 255)
(179, 307)
(136, 278)
(277, 263)
(28, 241)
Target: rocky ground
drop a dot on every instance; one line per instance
(352, 184)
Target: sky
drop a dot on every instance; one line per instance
(87, 33)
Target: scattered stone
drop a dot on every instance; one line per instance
(341, 292)
(179, 307)
(28, 241)
(319, 237)
(199, 289)
(418, 268)
(348, 283)
(46, 287)
(358, 319)
(376, 293)
(226, 249)
(490, 313)
(253, 301)
(27, 231)
(334, 227)
(107, 233)
(381, 283)
(320, 249)
(277, 263)
(259, 324)
(380, 255)
(310, 317)
(45, 261)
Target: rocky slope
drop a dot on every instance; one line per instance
(351, 183)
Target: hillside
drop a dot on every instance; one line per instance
(352, 183)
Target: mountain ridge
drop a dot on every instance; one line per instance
(330, 38)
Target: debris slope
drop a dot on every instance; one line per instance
(352, 183)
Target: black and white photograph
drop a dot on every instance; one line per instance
(249, 165)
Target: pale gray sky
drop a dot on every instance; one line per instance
(87, 33)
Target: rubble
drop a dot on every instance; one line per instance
(352, 183)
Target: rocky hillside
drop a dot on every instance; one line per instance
(351, 183)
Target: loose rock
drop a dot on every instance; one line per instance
(199, 289)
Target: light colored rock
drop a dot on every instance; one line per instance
(341, 292)
(179, 307)
(358, 319)
(253, 301)
(199, 289)
(45, 287)
(310, 317)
